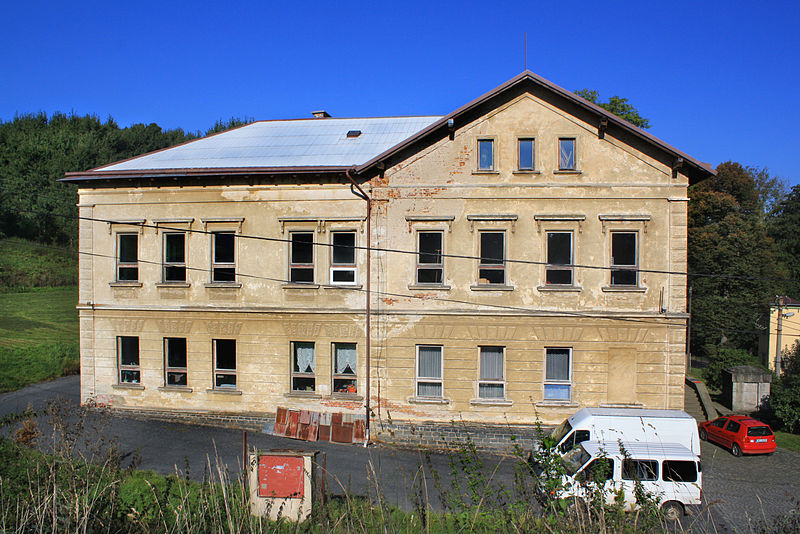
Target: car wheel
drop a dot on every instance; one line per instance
(672, 510)
(736, 450)
(703, 434)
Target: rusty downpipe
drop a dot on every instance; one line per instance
(359, 192)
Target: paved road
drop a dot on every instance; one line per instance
(743, 491)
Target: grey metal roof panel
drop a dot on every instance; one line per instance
(284, 143)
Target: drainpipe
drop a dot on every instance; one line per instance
(778, 359)
(361, 194)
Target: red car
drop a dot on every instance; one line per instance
(740, 433)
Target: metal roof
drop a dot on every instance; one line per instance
(638, 449)
(284, 143)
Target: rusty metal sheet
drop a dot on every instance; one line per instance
(281, 418)
(336, 418)
(359, 430)
(280, 476)
(292, 427)
(342, 433)
(305, 417)
(324, 432)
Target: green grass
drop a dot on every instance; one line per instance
(26, 264)
(38, 336)
(788, 441)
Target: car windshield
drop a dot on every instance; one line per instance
(560, 431)
(575, 459)
(759, 431)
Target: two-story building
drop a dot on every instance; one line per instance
(526, 258)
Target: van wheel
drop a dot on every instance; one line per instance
(672, 510)
(703, 434)
(736, 450)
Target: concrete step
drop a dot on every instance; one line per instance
(692, 405)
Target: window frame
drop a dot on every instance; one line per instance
(560, 267)
(501, 381)
(222, 370)
(491, 143)
(343, 267)
(574, 139)
(557, 382)
(165, 265)
(223, 265)
(174, 369)
(624, 268)
(302, 374)
(521, 140)
(128, 368)
(126, 264)
(301, 266)
(343, 376)
(492, 266)
(429, 266)
(426, 379)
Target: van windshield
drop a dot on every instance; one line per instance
(575, 459)
(560, 431)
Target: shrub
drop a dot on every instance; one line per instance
(723, 358)
(785, 395)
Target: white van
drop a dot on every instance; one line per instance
(627, 424)
(670, 472)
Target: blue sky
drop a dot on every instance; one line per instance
(716, 79)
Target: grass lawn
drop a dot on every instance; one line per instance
(25, 264)
(788, 441)
(38, 335)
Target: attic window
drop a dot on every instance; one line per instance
(353, 133)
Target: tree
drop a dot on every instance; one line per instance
(618, 106)
(233, 122)
(783, 225)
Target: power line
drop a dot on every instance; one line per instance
(410, 252)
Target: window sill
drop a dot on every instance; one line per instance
(337, 286)
(347, 396)
(223, 285)
(229, 391)
(556, 404)
(138, 387)
(295, 285)
(526, 172)
(567, 171)
(491, 402)
(623, 289)
(558, 287)
(428, 287)
(428, 400)
(173, 284)
(488, 171)
(491, 287)
(125, 284)
(177, 389)
(302, 395)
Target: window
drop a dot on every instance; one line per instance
(719, 423)
(485, 154)
(491, 383)
(598, 471)
(343, 258)
(430, 269)
(128, 359)
(223, 267)
(577, 437)
(733, 426)
(559, 258)
(429, 371)
(224, 363)
(639, 469)
(344, 368)
(303, 365)
(566, 154)
(623, 259)
(525, 154)
(557, 383)
(301, 258)
(175, 361)
(127, 257)
(175, 257)
(680, 471)
(492, 268)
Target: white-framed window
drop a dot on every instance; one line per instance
(526, 154)
(127, 257)
(175, 371)
(301, 257)
(345, 370)
(491, 379)
(566, 154)
(303, 366)
(224, 363)
(343, 258)
(430, 266)
(492, 263)
(128, 360)
(429, 371)
(485, 154)
(174, 257)
(558, 374)
(223, 256)
(624, 259)
(559, 258)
